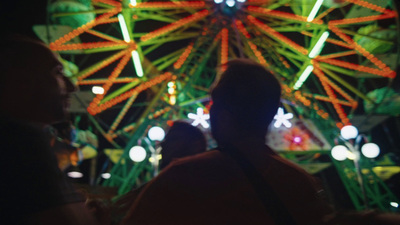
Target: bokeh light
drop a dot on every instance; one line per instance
(137, 153)
(339, 152)
(349, 132)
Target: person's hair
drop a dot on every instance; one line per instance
(191, 141)
(249, 92)
(18, 53)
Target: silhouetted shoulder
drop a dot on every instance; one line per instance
(211, 156)
(203, 165)
(34, 182)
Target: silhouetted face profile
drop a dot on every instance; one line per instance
(54, 88)
(35, 87)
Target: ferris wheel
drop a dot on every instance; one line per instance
(155, 61)
(329, 55)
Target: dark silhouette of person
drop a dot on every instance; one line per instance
(214, 187)
(182, 140)
(34, 93)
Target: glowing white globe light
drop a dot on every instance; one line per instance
(370, 150)
(339, 152)
(137, 153)
(98, 90)
(106, 176)
(230, 3)
(133, 2)
(75, 174)
(156, 133)
(218, 1)
(241, 0)
(171, 90)
(349, 132)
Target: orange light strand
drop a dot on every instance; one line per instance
(330, 40)
(352, 102)
(104, 36)
(90, 45)
(285, 63)
(110, 20)
(159, 112)
(253, 47)
(93, 109)
(173, 26)
(117, 70)
(370, 6)
(279, 37)
(102, 81)
(326, 99)
(301, 98)
(323, 14)
(242, 29)
(357, 67)
(224, 46)
(363, 19)
(108, 2)
(297, 94)
(172, 5)
(103, 64)
(333, 26)
(67, 37)
(336, 55)
(122, 113)
(178, 64)
(279, 14)
(335, 102)
(257, 53)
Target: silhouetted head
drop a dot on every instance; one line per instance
(182, 139)
(245, 100)
(32, 83)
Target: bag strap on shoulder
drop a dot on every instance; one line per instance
(266, 194)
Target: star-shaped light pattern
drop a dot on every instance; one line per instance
(199, 118)
(274, 33)
(282, 118)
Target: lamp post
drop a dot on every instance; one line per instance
(351, 150)
(155, 134)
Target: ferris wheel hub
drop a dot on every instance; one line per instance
(230, 7)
